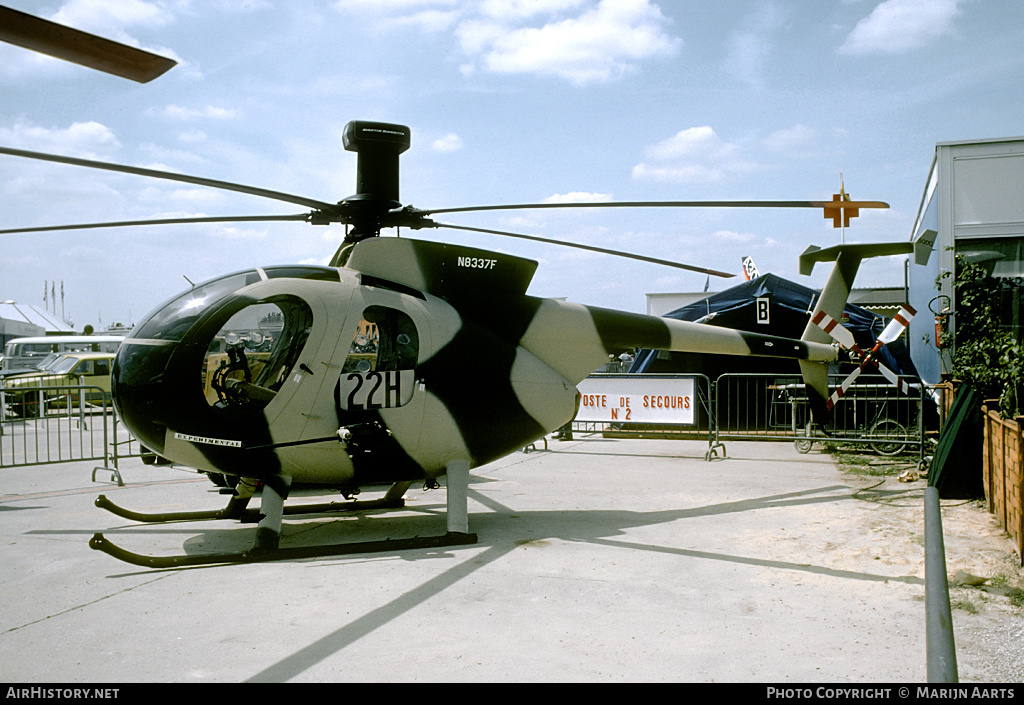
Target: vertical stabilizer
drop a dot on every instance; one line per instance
(832, 301)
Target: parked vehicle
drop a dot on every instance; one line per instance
(25, 353)
(41, 365)
(71, 378)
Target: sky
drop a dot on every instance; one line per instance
(509, 101)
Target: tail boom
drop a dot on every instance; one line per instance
(597, 333)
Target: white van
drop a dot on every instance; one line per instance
(26, 353)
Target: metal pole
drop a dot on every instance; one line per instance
(938, 618)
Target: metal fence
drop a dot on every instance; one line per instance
(775, 408)
(62, 423)
(50, 424)
(876, 414)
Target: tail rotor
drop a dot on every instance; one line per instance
(842, 335)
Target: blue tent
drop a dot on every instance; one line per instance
(775, 306)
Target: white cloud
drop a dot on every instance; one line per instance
(198, 196)
(696, 154)
(187, 197)
(431, 20)
(82, 139)
(427, 15)
(521, 222)
(604, 42)
(750, 47)
(210, 111)
(694, 142)
(391, 6)
(789, 139)
(110, 16)
(521, 9)
(192, 136)
(579, 197)
(733, 236)
(679, 173)
(897, 26)
(449, 143)
(583, 41)
(233, 232)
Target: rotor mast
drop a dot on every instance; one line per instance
(377, 146)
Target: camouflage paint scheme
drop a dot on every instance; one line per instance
(495, 369)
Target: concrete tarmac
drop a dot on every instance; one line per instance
(598, 560)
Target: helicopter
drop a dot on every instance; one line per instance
(388, 366)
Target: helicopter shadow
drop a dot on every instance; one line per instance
(499, 528)
(503, 530)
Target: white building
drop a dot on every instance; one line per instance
(972, 206)
(24, 321)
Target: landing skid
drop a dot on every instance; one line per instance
(248, 516)
(257, 555)
(268, 532)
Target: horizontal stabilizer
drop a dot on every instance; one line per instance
(814, 254)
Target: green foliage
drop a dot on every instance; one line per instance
(988, 354)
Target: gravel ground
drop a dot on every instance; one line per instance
(988, 618)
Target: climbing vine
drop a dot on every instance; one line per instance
(988, 353)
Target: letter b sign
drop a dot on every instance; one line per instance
(762, 311)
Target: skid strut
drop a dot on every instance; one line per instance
(272, 510)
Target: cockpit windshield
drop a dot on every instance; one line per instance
(174, 318)
(241, 349)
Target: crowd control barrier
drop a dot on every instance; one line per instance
(647, 406)
(754, 407)
(62, 423)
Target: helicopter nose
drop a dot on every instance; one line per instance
(191, 381)
(147, 387)
(135, 389)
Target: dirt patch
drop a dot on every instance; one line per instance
(986, 580)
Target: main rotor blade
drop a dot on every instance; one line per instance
(616, 253)
(170, 176)
(161, 221)
(662, 204)
(37, 34)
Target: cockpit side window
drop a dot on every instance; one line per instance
(380, 369)
(386, 339)
(253, 354)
